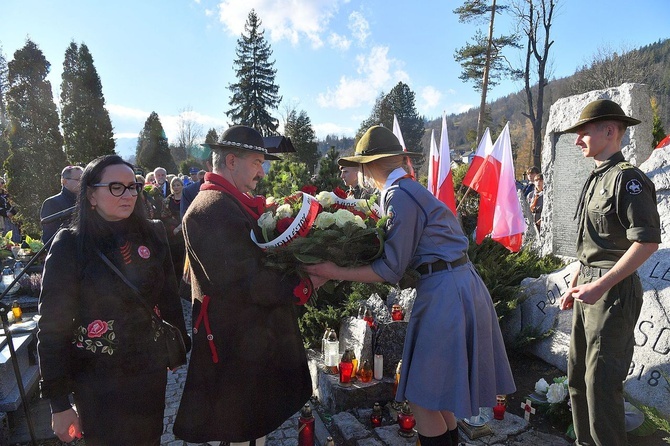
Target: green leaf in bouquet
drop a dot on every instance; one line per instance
(303, 258)
(329, 287)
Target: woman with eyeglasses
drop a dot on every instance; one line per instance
(98, 345)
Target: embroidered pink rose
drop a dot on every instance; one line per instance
(97, 328)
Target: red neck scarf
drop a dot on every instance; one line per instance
(255, 206)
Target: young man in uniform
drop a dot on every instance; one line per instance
(619, 228)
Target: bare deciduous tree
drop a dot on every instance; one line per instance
(189, 131)
(535, 21)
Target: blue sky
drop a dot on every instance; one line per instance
(333, 57)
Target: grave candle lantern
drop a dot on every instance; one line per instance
(397, 313)
(376, 416)
(406, 421)
(499, 408)
(306, 427)
(365, 374)
(346, 368)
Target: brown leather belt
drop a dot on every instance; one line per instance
(440, 265)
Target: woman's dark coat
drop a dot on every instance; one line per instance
(96, 341)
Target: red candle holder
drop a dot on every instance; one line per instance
(306, 427)
(499, 411)
(397, 313)
(406, 421)
(346, 368)
(376, 416)
(500, 408)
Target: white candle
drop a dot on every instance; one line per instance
(379, 367)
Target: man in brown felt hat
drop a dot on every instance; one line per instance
(619, 228)
(248, 369)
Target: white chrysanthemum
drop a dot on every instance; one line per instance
(269, 201)
(326, 198)
(324, 220)
(362, 205)
(284, 211)
(556, 393)
(541, 387)
(358, 221)
(342, 217)
(267, 221)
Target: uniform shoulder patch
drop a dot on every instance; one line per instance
(634, 186)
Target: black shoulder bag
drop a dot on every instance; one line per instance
(174, 342)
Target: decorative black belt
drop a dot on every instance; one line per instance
(440, 265)
(592, 271)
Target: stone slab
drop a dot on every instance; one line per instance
(356, 335)
(336, 397)
(7, 376)
(388, 342)
(389, 436)
(349, 428)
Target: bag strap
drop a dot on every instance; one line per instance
(136, 292)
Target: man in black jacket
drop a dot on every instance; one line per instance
(69, 180)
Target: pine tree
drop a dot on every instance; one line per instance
(36, 155)
(87, 129)
(482, 60)
(328, 177)
(255, 92)
(211, 136)
(400, 101)
(4, 85)
(152, 146)
(299, 130)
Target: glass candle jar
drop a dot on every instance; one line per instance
(365, 373)
(397, 313)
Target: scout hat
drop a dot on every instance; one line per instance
(602, 110)
(243, 138)
(378, 142)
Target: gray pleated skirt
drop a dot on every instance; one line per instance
(454, 356)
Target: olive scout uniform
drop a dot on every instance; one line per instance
(617, 208)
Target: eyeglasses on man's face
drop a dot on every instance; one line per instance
(117, 189)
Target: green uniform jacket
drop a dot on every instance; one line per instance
(620, 208)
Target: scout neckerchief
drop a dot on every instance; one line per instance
(255, 206)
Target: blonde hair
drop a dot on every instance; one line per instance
(381, 168)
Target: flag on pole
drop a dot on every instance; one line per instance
(433, 165)
(445, 181)
(398, 134)
(483, 150)
(500, 212)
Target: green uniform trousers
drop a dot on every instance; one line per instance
(601, 349)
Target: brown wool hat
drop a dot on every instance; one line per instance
(378, 142)
(243, 138)
(602, 110)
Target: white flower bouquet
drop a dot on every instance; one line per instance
(302, 228)
(554, 401)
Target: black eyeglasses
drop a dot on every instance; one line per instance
(117, 189)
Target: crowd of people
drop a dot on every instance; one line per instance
(103, 366)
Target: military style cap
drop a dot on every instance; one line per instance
(378, 142)
(243, 138)
(602, 110)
